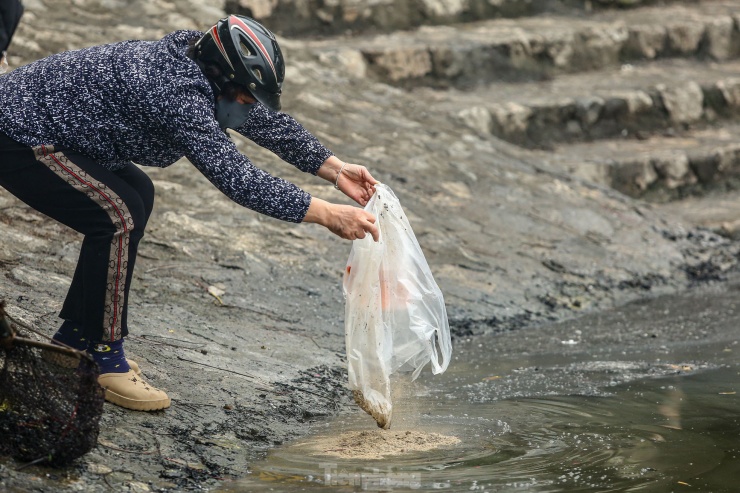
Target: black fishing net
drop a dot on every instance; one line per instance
(50, 402)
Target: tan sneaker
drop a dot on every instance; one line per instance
(129, 390)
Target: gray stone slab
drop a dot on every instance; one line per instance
(331, 17)
(633, 100)
(659, 168)
(536, 48)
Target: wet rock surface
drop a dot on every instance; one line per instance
(240, 317)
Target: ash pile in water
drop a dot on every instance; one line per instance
(377, 444)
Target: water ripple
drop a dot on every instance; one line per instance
(648, 434)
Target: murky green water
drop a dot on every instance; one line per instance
(570, 422)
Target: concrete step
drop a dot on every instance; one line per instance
(630, 102)
(538, 48)
(659, 168)
(332, 17)
(718, 212)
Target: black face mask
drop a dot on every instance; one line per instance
(232, 114)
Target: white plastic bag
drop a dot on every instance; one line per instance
(395, 317)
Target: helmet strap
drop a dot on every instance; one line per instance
(216, 85)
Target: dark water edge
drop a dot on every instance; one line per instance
(641, 398)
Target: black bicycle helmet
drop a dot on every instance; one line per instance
(247, 54)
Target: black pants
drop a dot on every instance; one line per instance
(110, 208)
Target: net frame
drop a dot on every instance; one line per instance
(50, 399)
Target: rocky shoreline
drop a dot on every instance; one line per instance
(529, 198)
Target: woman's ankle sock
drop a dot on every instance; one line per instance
(109, 356)
(71, 334)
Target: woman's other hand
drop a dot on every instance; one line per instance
(354, 180)
(346, 221)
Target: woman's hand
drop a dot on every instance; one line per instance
(354, 180)
(345, 221)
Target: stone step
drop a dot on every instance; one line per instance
(331, 17)
(538, 48)
(632, 101)
(717, 212)
(659, 168)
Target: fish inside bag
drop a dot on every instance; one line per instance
(395, 316)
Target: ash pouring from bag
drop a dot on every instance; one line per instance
(407, 436)
(382, 417)
(402, 392)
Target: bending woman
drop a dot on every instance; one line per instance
(73, 124)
